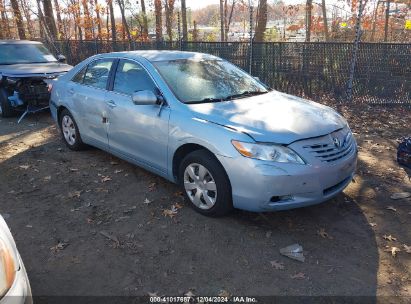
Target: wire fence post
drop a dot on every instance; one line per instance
(355, 51)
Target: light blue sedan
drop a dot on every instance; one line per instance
(198, 120)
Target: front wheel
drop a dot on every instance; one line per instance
(206, 184)
(6, 110)
(70, 132)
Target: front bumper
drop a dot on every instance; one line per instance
(262, 186)
(20, 291)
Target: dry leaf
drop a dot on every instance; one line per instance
(152, 294)
(105, 179)
(407, 248)
(74, 194)
(373, 224)
(110, 237)
(389, 238)
(25, 167)
(176, 206)
(147, 201)
(324, 234)
(47, 178)
(73, 169)
(224, 293)
(169, 212)
(391, 208)
(189, 294)
(118, 171)
(113, 163)
(393, 251)
(151, 187)
(58, 247)
(298, 276)
(277, 265)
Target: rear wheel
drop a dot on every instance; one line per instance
(6, 110)
(70, 132)
(205, 184)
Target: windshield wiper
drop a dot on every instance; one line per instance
(245, 94)
(208, 99)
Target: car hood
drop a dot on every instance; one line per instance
(272, 117)
(34, 69)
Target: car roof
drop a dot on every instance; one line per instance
(152, 55)
(19, 42)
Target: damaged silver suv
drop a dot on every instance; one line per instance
(24, 67)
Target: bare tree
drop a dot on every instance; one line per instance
(222, 20)
(98, 18)
(49, 18)
(387, 19)
(26, 11)
(18, 19)
(145, 22)
(159, 20)
(228, 17)
(59, 21)
(184, 17)
(169, 10)
(308, 11)
(126, 28)
(325, 21)
(112, 20)
(261, 21)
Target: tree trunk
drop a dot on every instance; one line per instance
(126, 29)
(145, 22)
(325, 21)
(18, 19)
(184, 17)
(387, 19)
(195, 32)
(26, 12)
(308, 10)
(60, 34)
(222, 36)
(159, 20)
(261, 21)
(49, 18)
(169, 8)
(98, 17)
(112, 20)
(107, 23)
(228, 20)
(88, 24)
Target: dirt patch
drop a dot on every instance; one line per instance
(87, 223)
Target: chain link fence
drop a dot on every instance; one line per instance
(382, 71)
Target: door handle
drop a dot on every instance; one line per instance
(111, 103)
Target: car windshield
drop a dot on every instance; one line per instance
(24, 53)
(194, 81)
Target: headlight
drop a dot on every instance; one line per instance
(7, 268)
(270, 152)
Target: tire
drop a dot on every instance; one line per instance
(193, 179)
(69, 131)
(6, 110)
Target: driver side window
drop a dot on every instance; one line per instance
(131, 77)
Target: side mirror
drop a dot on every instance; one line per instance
(145, 97)
(61, 58)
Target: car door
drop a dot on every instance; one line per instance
(139, 132)
(88, 92)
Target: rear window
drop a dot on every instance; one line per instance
(24, 53)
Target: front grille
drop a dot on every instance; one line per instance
(338, 146)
